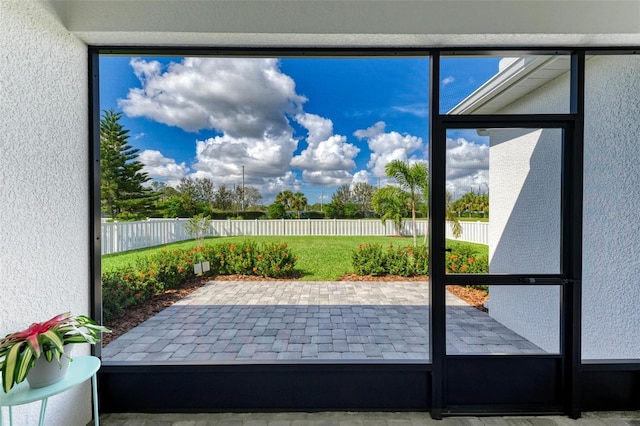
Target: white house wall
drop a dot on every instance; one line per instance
(611, 269)
(44, 256)
(611, 253)
(524, 233)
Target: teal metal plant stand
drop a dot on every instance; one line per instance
(80, 370)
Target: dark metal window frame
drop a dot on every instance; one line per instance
(368, 385)
(571, 236)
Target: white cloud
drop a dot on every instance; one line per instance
(328, 158)
(419, 110)
(327, 177)
(448, 80)
(371, 132)
(240, 97)
(161, 168)
(221, 158)
(386, 147)
(361, 176)
(467, 166)
(270, 187)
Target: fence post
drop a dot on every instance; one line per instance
(116, 239)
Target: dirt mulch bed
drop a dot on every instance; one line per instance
(140, 314)
(474, 297)
(385, 278)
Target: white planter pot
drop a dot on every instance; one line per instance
(45, 373)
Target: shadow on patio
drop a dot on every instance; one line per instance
(301, 320)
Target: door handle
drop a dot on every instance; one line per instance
(448, 250)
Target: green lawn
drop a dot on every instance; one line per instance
(474, 219)
(320, 257)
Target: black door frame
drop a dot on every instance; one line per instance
(564, 368)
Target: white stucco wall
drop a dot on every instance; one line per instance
(611, 253)
(44, 260)
(524, 233)
(611, 266)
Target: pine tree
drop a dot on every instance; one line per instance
(122, 191)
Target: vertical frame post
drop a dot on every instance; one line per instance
(95, 224)
(572, 240)
(437, 155)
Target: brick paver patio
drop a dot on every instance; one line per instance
(298, 320)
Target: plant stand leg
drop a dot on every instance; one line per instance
(96, 414)
(43, 409)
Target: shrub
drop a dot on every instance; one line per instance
(463, 259)
(369, 259)
(421, 260)
(275, 261)
(400, 262)
(168, 269)
(127, 287)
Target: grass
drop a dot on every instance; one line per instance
(473, 219)
(320, 257)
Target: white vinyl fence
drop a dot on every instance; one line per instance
(472, 232)
(123, 236)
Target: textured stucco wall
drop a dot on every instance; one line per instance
(43, 184)
(611, 266)
(524, 233)
(611, 253)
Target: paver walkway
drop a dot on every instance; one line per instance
(297, 320)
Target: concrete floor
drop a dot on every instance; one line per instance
(631, 418)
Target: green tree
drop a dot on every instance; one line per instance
(197, 227)
(390, 202)
(341, 204)
(412, 178)
(122, 190)
(245, 198)
(298, 202)
(223, 198)
(361, 194)
(172, 207)
(343, 194)
(277, 211)
(204, 191)
(483, 204)
(251, 196)
(285, 198)
(451, 216)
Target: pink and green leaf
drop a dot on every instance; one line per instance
(10, 366)
(25, 362)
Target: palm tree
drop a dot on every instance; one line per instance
(298, 202)
(451, 216)
(411, 178)
(390, 203)
(284, 198)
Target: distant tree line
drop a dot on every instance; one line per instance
(127, 194)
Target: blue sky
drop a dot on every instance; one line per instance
(303, 124)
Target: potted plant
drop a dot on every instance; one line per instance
(44, 341)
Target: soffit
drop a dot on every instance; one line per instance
(368, 23)
(514, 81)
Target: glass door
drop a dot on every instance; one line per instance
(500, 277)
